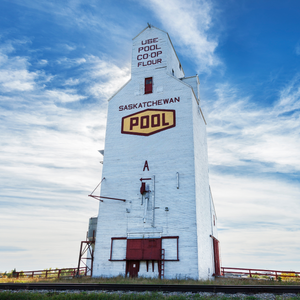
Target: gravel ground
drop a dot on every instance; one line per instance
(216, 296)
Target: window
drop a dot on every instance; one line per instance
(148, 85)
(172, 72)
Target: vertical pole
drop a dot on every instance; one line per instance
(92, 260)
(153, 202)
(80, 253)
(177, 175)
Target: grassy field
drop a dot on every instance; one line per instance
(11, 295)
(123, 280)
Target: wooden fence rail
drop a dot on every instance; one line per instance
(259, 272)
(49, 274)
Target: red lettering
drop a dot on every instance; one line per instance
(139, 64)
(166, 101)
(145, 56)
(158, 60)
(153, 54)
(146, 48)
(121, 108)
(152, 47)
(155, 40)
(134, 122)
(140, 105)
(141, 48)
(157, 47)
(140, 57)
(159, 102)
(146, 125)
(134, 106)
(159, 53)
(164, 123)
(146, 166)
(171, 100)
(157, 123)
(177, 99)
(154, 103)
(148, 103)
(125, 107)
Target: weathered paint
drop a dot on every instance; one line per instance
(176, 201)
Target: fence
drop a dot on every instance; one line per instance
(259, 273)
(50, 274)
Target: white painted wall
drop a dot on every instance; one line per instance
(181, 149)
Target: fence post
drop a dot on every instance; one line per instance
(250, 273)
(58, 273)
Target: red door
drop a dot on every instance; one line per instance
(217, 257)
(143, 249)
(132, 268)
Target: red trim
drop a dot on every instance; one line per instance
(147, 134)
(141, 179)
(148, 86)
(124, 200)
(173, 237)
(125, 238)
(111, 247)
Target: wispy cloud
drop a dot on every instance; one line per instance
(191, 29)
(14, 74)
(108, 77)
(49, 161)
(242, 134)
(255, 172)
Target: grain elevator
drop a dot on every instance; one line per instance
(156, 213)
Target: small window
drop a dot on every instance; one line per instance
(180, 66)
(148, 85)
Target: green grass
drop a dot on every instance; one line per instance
(114, 296)
(123, 280)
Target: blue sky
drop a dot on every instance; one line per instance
(61, 60)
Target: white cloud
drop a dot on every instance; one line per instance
(109, 77)
(49, 162)
(14, 74)
(188, 23)
(72, 81)
(242, 134)
(257, 221)
(64, 95)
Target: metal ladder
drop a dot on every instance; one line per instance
(162, 264)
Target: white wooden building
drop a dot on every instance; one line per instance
(156, 214)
